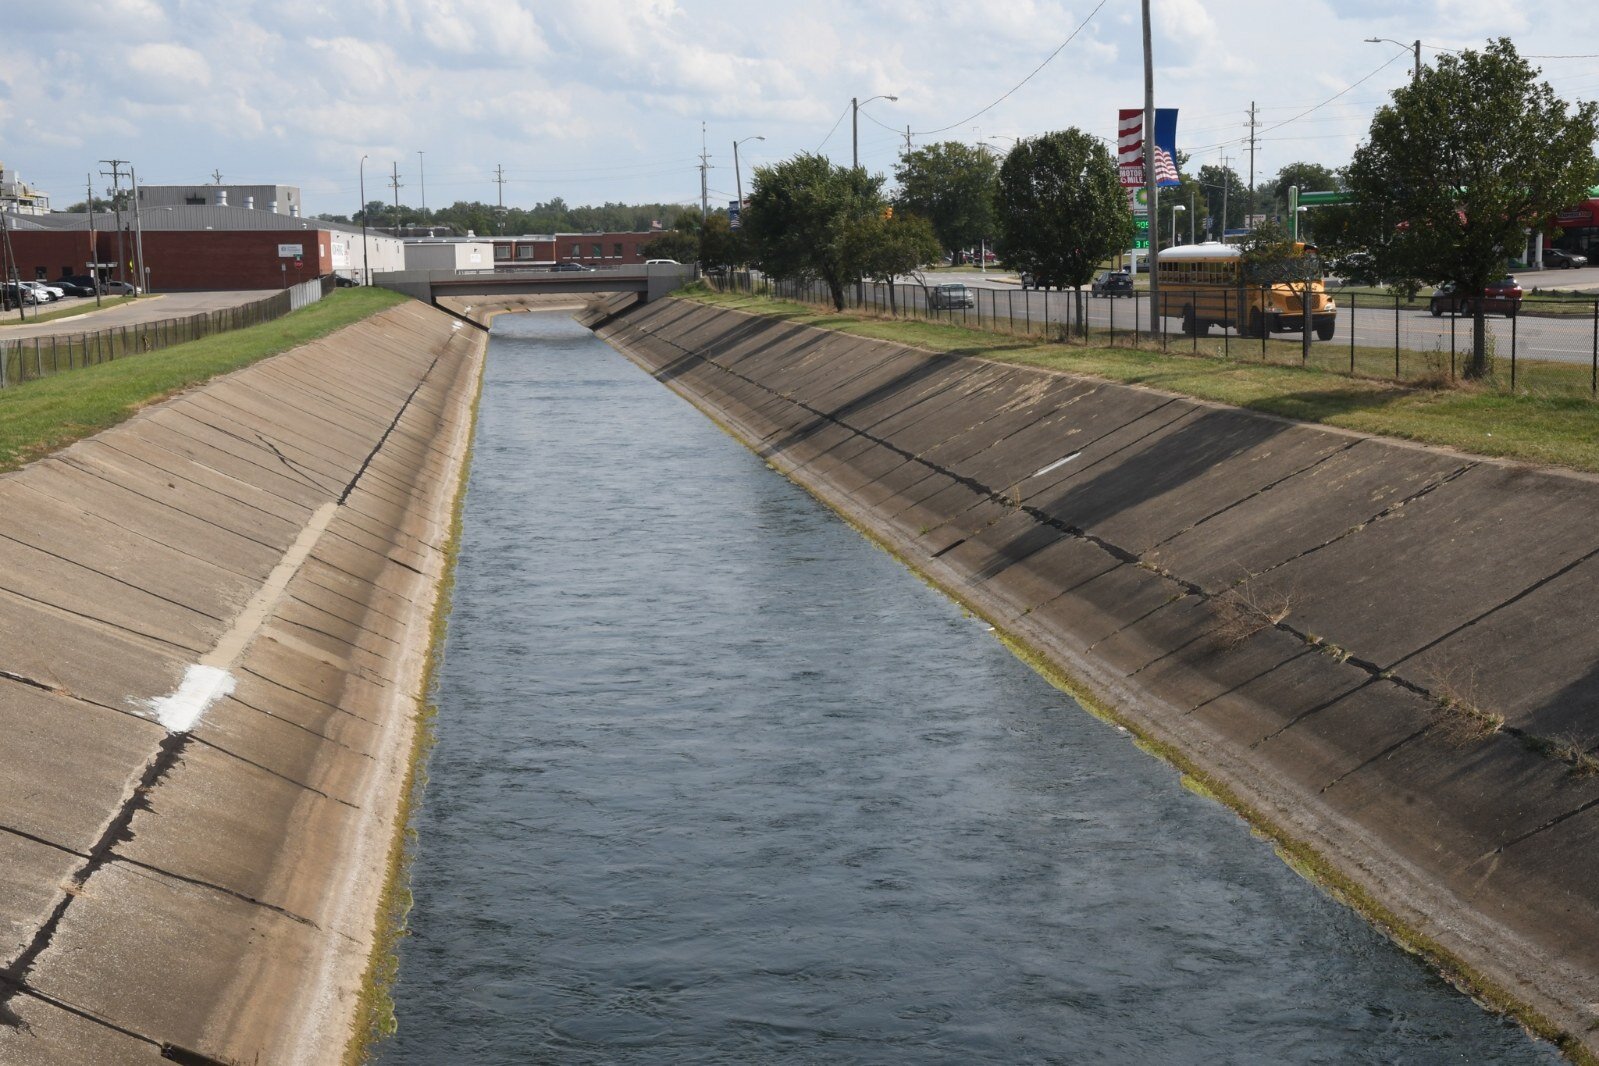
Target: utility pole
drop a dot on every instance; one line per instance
(1226, 184)
(10, 274)
(216, 177)
(395, 182)
(499, 179)
(907, 138)
(1253, 125)
(705, 187)
(366, 259)
(143, 280)
(94, 245)
(116, 209)
(1151, 189)
(422, 178)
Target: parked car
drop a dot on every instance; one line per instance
(1112, 283)
(47, 293)
(121, 288)
(342, 282)
(24, 294)
(1030, 282)
(1560, 259)
(1502, 297)
(949, 296)
(662, 262)
(72, 288)
(569, 265)
(84, 281)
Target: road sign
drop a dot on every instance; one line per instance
(734, 213)
(1142, 244)
(1141, 224)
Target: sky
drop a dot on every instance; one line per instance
(605, 100)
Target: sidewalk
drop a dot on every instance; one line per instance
(143, 309)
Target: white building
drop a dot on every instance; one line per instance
(447, 254)
(20, 198)
(277, 199)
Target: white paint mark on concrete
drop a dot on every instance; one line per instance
(1058, 463)
(202, 686)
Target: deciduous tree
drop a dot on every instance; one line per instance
(951, 185)
(1062, 209)
(1465, 161)
(800, 216)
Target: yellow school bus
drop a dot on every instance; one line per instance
(1205, 285)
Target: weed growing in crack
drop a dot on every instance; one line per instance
(1246, 609)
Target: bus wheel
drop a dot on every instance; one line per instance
(1189, 325)
(1257, 324)
(1324, 330)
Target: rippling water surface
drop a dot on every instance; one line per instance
(719, 782)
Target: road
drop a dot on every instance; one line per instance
(1376, 324)
(144, 309)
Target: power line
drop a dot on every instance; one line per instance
(834, 130)
(1024, 81)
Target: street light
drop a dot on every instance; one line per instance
(855, 125)
(1415, 74)
(366, 263)
(1174, 209)
(738, 180)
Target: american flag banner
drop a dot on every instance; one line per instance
(1130, 146)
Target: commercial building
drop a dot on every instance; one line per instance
(17, 197)
(196, 248)
(590, 249)
(275, 199)
(444, 254)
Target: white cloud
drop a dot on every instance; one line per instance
(168, 70)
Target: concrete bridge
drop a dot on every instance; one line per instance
(649, 282)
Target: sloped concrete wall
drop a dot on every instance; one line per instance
(1326, 626)
(213, 627)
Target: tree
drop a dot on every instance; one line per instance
(1466, 160)
(673, 244)
(1221, 188)
(951, 185)
(1062, 209)
(1271, 258)
(720, 244)
(800, 214)
(890, 244)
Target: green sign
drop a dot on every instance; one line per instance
(1141, 243)
(1141, 224)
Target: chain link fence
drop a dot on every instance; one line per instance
(1550, 345)
(31, 358)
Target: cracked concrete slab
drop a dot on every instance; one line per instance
(243, 859)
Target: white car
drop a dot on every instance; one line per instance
(46, 292)
(662, 262)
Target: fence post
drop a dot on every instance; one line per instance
(1513, 319)
(1593, 389)
(1226, 317)
(1452, 320)
(1112, 300)
(1396, 337)
(1351, 334)
(1265, 324)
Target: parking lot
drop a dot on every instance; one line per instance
(142, 309)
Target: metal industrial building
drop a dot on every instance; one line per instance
(276, 199)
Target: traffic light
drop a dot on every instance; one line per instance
(888, 212)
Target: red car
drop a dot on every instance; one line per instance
(1502, 297)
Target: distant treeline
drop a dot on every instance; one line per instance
(554, 216)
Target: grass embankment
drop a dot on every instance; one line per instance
(106, 302)
(1557, 429)
(39, 417)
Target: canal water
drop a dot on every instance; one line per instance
(717, 781)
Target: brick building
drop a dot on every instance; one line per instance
(200, 248)
(590, 249)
